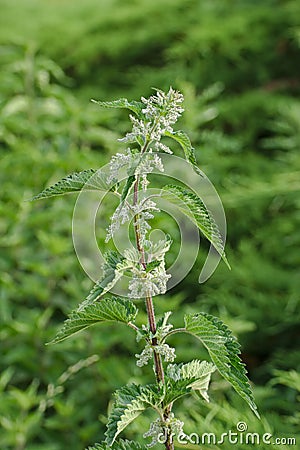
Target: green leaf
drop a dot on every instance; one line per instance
(111, 274)
(109, 309)
(137, 158)
(175, 390)
(201, 372)
(185, 143)
(152, 265)
(194, 208)
(133, 106)
(224, 351)
(130, 402)
(129, 183)
(90, 179)
(182, 378)
(120, 445)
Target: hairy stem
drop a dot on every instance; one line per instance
(159, 370)
(169, 439)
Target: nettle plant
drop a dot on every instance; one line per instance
(144, 264)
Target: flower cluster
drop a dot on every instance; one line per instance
(141, 166)
(159, 430)
(167, 352)
(155, 251)
(174, 372)
(164, 108)
(141, 131)
(121, 215)
(151, 283)
(155, 431)
(148, 162)
(161, 111)
(116, 163)
(142, 212)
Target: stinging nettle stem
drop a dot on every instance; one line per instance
(159, 371)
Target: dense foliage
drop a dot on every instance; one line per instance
(237, 64)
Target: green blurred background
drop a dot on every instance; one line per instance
(237, 62)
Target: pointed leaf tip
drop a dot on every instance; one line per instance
(108, 310)
(224, 351)
(133, 106)
(130, 402)
(90, 179)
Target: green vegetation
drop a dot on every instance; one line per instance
(237, 64)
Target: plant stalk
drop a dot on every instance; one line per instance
(159, 370)
(169, 438)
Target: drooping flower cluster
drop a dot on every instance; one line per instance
(174, 372)
(116, 163)
(141, 131)
(141, 213)
(140, 166)
(167, 352)
(158, 430)
(155, 251)
(121, 215)
(148, 163)
(152, 283)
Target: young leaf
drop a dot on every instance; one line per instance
(110, 276)
(120, 445)
(224, 351)
(91, 179)
(201, 371)
(194, 208)
(152, 265)
(109, 309)
(185, 143)
(130, 402)
(129, 183)
(133, 106)
(182, 378)
(135, 162)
